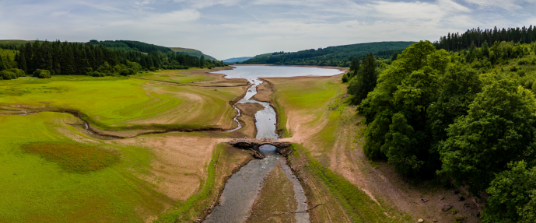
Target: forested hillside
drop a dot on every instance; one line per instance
(43, 58)
(465, 118)
(129, 45)
(191, 52)
(236, 60)
(331, 56)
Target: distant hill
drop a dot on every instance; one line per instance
(331, 56)
(130, 45)
(191, 52)
(14, 41)
(236, 59)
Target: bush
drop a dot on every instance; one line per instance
(42, 73)
(18, 72)
(12, 73)
(345, 78)
(127, 72)
(523, 62)
(7, 75)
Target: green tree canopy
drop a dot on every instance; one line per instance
(364, 81)
(512, 195)
(499, 128)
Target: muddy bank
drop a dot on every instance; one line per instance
(219, 190)
(248, 111)
(116, 132)
(270, 208)
(265, 94)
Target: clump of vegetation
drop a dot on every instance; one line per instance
(513, 195)
(74, 157)
(42, 73)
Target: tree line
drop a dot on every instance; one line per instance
(466, 118)
(62, 58)
(457, 41)
(341, 56)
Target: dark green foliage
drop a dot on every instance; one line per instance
(499, 128)
(12, 73)
(42, 73)
(400, 145)
(94, 59)
(460, 86)
(330, 56)
(456, 41)
(364, 81)
(512, 195)
(345, 77)
(129, 45)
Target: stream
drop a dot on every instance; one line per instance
(244, 186)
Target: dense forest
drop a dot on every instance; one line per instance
(456, 41)
(465, 118)
(341, 56)
(43, 58)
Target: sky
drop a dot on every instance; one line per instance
(235, 28)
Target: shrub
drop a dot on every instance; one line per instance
(42, 73)
(7, 75)
(345, 78)
(18, 72)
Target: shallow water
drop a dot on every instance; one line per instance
(243, 188)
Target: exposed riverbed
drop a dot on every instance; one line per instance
(243, 188)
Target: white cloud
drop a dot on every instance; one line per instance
(172, 17)
(509, 5)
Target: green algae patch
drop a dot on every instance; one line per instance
(74, 157)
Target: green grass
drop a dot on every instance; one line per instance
(113, 103)
(43, 188)
(310, 96)
(177, 76)
(359, 207)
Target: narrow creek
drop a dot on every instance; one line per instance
(243, 188)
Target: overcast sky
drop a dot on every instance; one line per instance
(234, 28)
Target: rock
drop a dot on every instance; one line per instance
(257, 154)
(461, 198)
(424, 200)
(478, 214)
(446, 207)
(420, 220)
(456, 191)
(442, 198)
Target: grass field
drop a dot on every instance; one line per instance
(44, 187)
(114, 103)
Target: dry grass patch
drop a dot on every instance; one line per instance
(74, 157)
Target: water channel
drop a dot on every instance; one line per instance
(242, 189)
